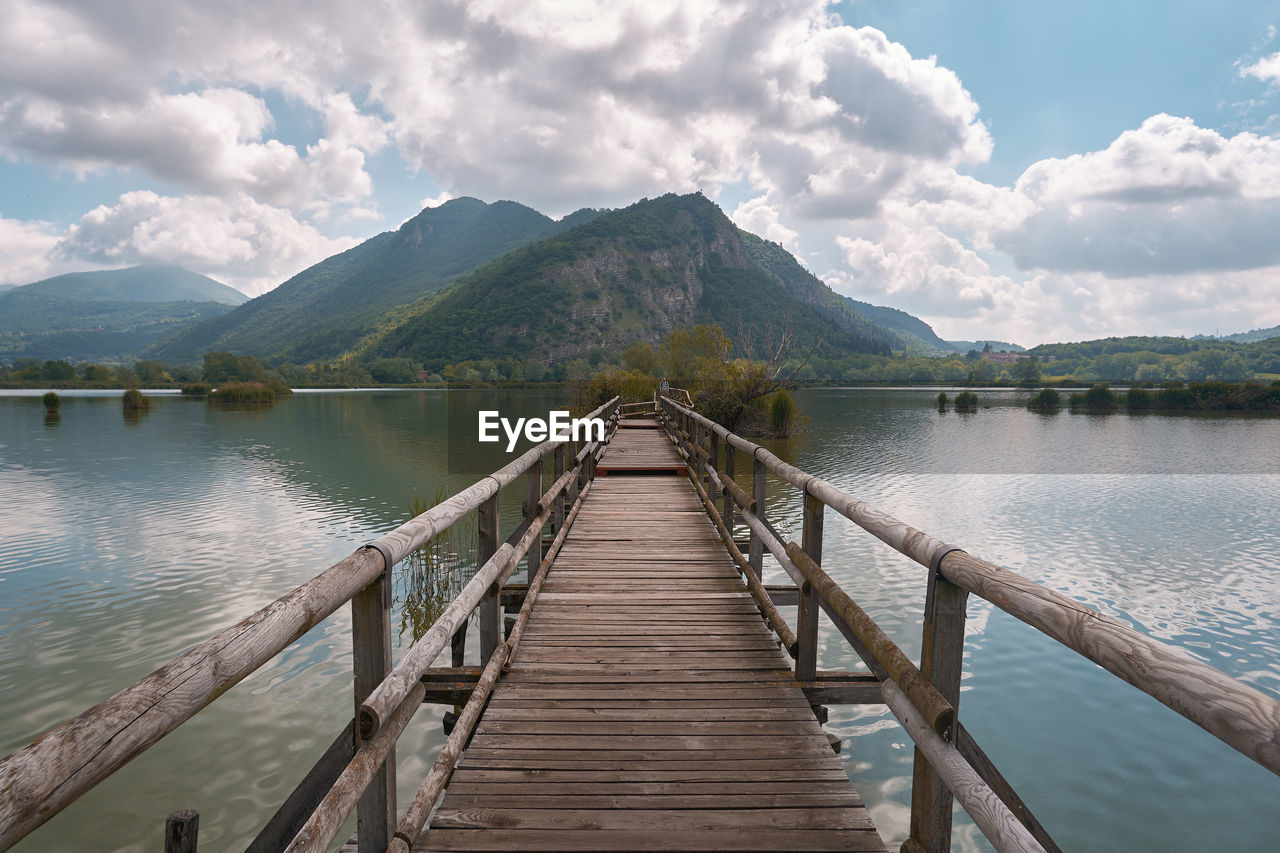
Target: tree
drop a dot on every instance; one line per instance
(642, 357)
(57, 371)
(228, 367)
(1026, 372)
(984, 370)
(394, 370)
(151, 372)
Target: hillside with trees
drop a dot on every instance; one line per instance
(328, 308)
(627, 276)
(107, 313)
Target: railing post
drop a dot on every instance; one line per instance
(758, 472)
(941, 661)
(489, 610)
(535, 494)
(181, 829)
(730, 472)
(557, 470)
(371, 654)
(807, 611)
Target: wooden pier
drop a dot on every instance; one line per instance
(648, 706)
(648, 692)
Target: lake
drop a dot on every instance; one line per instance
(125, 542)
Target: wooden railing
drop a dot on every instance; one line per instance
(925, 699)
(358, 770)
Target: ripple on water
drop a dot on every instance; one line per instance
(122, 546)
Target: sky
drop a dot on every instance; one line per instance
(1007, 169)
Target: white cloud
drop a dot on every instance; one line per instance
(211, 140)
(846, 145)
(556, 104)
(24, 250)
(1168, 197)
(249, 245)
(1266, 69)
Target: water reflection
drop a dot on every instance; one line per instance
(121, 546)
(431, 577)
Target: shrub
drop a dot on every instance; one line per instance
(51, 402)
(1047, 401)
(1139, 400)
(195, 389)
(135, 401)
(1097, 399)
(966, 401)
(942, 401)
(242, 392)
(782, 413)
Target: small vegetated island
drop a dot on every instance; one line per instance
(1176, 397)
(748, 396)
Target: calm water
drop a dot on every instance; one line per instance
(123, 543)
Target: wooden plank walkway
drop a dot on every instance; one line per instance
(648, 707)
(639, 448)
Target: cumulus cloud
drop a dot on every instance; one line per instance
(1266, 69)
(1169, 228)
(249, 245)
(846, 148)
(556, 104)
(1168, 197)
(24, 250)
(211, 140)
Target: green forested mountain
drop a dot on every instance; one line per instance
(107, 313)
(145, 283)
(625, 276)
(328, 308)
(918, 336)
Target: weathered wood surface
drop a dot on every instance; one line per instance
(648, 706)
(638, 450)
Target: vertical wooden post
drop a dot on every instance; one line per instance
(557, 470)
(535, 493)
(758, 472)
(730, 472)
(807, 612)
(371, 653)
(489, 610)
(713, 440)
(941, 661)
(180, 831)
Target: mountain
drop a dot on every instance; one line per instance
(997, 346)
(917, 335)
(147, 283)
(328, 308)
(625, 276)
(107, 313)
(1242, 337)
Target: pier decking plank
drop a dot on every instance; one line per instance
(648, 706)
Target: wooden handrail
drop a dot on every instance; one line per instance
(893, 663)
(44, 777)
(1232, 711)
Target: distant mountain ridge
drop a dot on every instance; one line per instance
(328, 308)
(1243, 337)
(107, 313)
(143, 283)
(625, 276)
